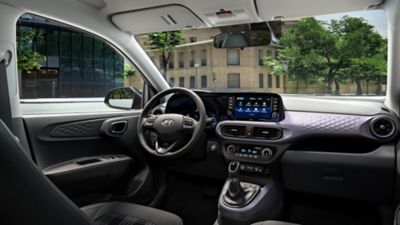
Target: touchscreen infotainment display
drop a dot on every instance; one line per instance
(250, 107)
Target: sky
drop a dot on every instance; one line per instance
(376, 18)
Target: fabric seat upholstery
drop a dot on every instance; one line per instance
(113, 212)
(272, 222)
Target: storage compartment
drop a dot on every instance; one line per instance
(89, 174)
(87, 161)
(368, 176)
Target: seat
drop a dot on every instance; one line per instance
(122, 212)
(273, 222)
(28, 197)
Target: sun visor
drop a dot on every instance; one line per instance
(302, 8)
(156, 19)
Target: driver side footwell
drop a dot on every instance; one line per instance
(194, 199)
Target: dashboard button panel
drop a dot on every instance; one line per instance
(250, 152)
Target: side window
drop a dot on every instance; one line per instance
(58, 61)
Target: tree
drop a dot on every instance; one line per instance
(128, 70)
(338, 51)
(311, 49)
(297, 55)
(165, 42)
(364, 57)
(27, 58)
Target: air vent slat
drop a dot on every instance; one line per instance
(235, 131)
(266, 133)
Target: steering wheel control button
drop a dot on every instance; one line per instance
(149, 122)
(188, 123)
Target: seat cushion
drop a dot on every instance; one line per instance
(115, 219)
(272, 222)
(121, 213)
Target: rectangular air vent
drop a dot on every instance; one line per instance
(235, 131)
(267, 133)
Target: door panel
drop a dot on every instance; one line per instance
(83, 155)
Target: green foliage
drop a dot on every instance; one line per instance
(27, 58)
(165, 42)
(339, 51)
(128, 70)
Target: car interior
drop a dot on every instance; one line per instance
(165, 154)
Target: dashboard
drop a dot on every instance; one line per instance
(266, 107)
(258, 127)
(314, 141)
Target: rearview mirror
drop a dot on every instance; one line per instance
(242, 39)
(123, 98)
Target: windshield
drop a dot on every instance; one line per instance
(340, 54)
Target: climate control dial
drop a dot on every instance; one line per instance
(267, 153)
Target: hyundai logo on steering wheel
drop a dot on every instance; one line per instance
(167, 122)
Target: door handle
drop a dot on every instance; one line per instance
(118, 127)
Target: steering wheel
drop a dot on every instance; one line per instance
(168, 131)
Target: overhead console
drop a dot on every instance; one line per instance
(159, 18)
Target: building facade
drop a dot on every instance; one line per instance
(198, 65)
(77, 64)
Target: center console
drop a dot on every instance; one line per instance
(251, 140)
(243, 203)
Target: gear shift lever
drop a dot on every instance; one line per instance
(238, 193)
(235, 191)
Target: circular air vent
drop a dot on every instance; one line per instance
(383, 127)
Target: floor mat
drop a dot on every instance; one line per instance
(195, 201)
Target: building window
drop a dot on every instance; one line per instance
(171, 62)
(277, 81)
(204, 57)
(181, 82)
(260, 57)
(161, 62)
(269, 81)
(181, 60)
(269, 53)
(233, 56)
(192, 59)
(233, 80)
(204, 81)
(193, 39)
(171, 82)
(261, 80)
(192, 82)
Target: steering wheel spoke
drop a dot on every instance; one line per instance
(148, 121)
(189, 124)
(163, 149)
